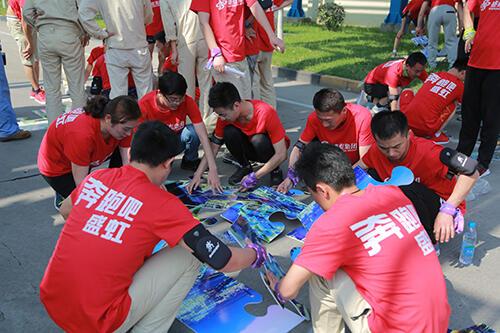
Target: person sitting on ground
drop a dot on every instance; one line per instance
(430, 110)
(384, 83)
(252, 131)
(85, 138)
(334, 121)
(408, 15)
(102, 276)
(369, 263)
(437, 194)
(170, 105)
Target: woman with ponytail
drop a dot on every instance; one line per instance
(83, 139)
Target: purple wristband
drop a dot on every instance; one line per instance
(448, 208)
(280, 298)
(214, 53)
(261, 255)
(456, 213)
(249, 181)
(292, 175)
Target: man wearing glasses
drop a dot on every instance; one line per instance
(170, 105)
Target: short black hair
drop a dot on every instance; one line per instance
(154, 143)
(328, 99)
(416, 58)
(172, 83)
(460, 64)
(223, 95)
(387, 124)
(325, 163)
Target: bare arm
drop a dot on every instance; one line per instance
(79, 172)
(399, 35)
(421, 17)
(261, 17)
(66, 207)
(213, 175)
(124, 154)
(278, 157)
(201, 168)
(88, 71)
(287, 183)
(362, 151)
(148, 12)
(460, 15)
(293, 281)
(219, 61)
(394, 104)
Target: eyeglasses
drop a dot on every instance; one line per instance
(174, 99)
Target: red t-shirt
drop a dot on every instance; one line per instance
(265, 120)
(75, 137)
(95, 54)
(378, 240)
(474, 8)
(252, 45)
(101, 71)
(175, 119)
(412, 9)
(227, 22)
(391, 74)
(435, 3)
(352, 134)
(425, 112)
(16, 6)
(485, 52)
(423, 160)
(157, 25)
(264, 42)
(118, 216)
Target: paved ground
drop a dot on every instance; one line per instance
(29, 225)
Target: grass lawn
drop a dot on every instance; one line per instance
(350, 53)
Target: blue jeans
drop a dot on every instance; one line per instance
(8, 121)
(190, 142)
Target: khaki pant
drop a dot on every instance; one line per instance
(192, 61)
(265, 78)
(243, 84)
(337, 303)
(158, 290)
(16, 30)
(138, 61)
(58, 46)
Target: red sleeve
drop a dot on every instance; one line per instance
(274, 127)
(365, 133)
(368, 157)
(325, 248)
(219, 128)
(200, 6)
(308, 134)
(473, 6)
(79, 149)
(144, 105)
(193, 111)
(433, 152)
(423, 76)
(392, 76)
(96, 71)
(460, 91)
(125, 143)
(278, 3)
(174, 222)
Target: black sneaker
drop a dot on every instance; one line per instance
(58, 200)
(190, 165)
(229, 159)
(276, 177)
(239, 174)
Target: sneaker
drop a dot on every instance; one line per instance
(276, 177)
(190, 165)
(239, 174)
(483, 172)
(19, 135)
(379, 108)
(228, 158)
(441, 139)
(32, 94)
(58, 200)
(39, 96)
(437, 248)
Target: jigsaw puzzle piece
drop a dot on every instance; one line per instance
(282, 202)
(258, 221)
(400, 175)
(310, 214)
(481, 328)
(216, 303)
(298, 234)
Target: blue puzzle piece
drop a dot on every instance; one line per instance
(481, 328)
(280, 201)
(400, 175)
(310, 214)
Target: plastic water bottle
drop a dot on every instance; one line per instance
(468, 245)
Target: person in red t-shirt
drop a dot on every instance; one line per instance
(442, 13)
(223, 27)
(370, 264)
(153, 32)
(102, 276)
(384, 83)
(333, 121)
(95, 53)
(100, 72)
(85, 138)
(252, 131)
(170, 105)
(439, 190)
(408, 15)
(480, 110)
(434, 105)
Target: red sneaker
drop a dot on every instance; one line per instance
(40, 97)
(32, 94)
(441, 139)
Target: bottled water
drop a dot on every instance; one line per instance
(468, 245)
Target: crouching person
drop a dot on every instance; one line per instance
(102, 277)
(369, 262)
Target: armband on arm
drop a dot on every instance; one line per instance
(457, 162)
(216, 140)
(300, 145)
(207, 248)
(393, 98)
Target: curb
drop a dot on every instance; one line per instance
(318, 79)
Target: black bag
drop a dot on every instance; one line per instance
(266, 4)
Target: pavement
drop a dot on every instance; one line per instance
(30, 226)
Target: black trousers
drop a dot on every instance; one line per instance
(63, 185)
(244, 149)
(480, 113)
(425, 201)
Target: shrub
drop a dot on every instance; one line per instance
(331, 15)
